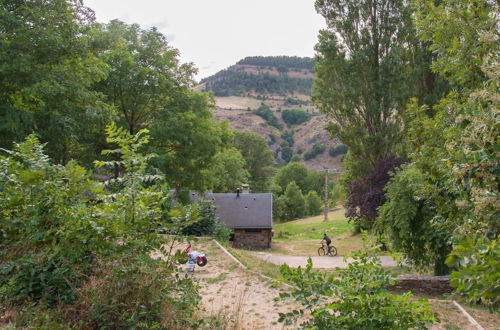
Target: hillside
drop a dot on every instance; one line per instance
(271, 96)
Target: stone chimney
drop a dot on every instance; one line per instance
(245, 188)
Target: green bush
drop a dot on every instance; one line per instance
(316, 150)
(477, 277)
(76, 253)
(353, 298)
(294, 116)
(265, 113)
(208, 223)
(341, 149)
(313, 203)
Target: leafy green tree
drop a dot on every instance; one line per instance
(266, 113)
(258, 159)
(301, 175)
(412, 222)
(314, 204)
(48, 68)
(145, 71)
(316, 150)
(449, 191)
(286, 151)
(186, 138)
(294, 116)
(368, 65)
(294, 202)
(228, 171)
(139, 200)
(460, 130)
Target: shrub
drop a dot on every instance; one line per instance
(341, 149)
(132, 290)
(208, 223)
(265, 113)
(76, 253)
(353, 298)
(477, 277)
(294, 116)
(367, 194)
(316, 150)
(313, 203)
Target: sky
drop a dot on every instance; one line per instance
(215, 34)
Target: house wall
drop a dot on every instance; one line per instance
(252, 239)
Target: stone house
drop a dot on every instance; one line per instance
(249, 215)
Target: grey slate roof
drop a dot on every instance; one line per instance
(248, 211)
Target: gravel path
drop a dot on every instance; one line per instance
(318, 262)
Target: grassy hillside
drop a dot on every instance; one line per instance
(255, 94)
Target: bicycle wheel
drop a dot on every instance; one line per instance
(321, 251)
(333, 251)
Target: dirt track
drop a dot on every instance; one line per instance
(244, 299)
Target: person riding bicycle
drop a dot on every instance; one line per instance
(327, 240)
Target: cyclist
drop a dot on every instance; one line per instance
(327, 240)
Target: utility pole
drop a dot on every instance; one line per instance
(325, 208)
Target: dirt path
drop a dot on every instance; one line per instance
(245, 300)
(318, 262)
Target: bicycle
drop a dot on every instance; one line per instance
(332, 250)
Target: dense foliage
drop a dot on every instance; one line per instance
(75, 252)
(265, 113)
(289, 62)
(352, 298)
(47, 69)
(294, 116)
(301, 184)
(366, 195)
(317, 149)
(341, 149)
(450, 189)
(207, 223)
(236, 81)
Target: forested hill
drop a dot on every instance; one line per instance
(286, 62)
(271, 96)
(257, 75)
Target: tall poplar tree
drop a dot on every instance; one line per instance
(364, 75)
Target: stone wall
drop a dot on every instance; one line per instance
(252, 239)
(432, 285)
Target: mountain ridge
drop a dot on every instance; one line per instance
(271, 96)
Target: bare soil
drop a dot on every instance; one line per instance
(244, 299)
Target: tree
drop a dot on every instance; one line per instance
(228, 170)
(186, 138)
(294, 202)
(412, 222)
(145, 71)
(313, 203)
(152, 89)
(258, 158)
(301, 175)
(448, 192)
(365, 76)
(48, 68)
(366, 195)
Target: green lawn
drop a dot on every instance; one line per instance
(302, 237)
(313, 227)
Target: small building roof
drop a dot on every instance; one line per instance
(243, 211)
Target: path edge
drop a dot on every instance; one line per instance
(249, 270)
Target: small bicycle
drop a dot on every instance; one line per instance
(327, 250)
